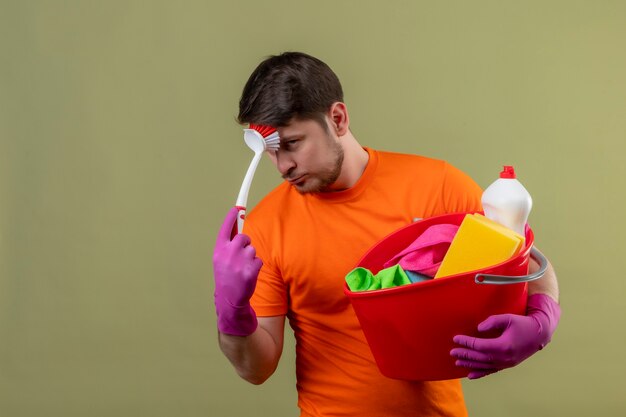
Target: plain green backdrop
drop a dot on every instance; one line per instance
(120, 155)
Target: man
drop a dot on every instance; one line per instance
(338, 199)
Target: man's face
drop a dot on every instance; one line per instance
(310, 157)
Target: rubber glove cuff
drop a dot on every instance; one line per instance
(547, 312)
(235, 320)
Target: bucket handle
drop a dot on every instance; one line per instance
(502, 279)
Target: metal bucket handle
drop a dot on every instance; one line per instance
(503, 279)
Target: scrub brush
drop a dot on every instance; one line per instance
(259, 138)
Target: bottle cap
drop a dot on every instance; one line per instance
(508, 172)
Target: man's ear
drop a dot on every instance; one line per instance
(340, 120)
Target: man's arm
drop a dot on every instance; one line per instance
(252, 344)
(255, 357)
(544, 285)
(520, 337)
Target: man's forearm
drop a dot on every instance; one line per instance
(545, 285)
(255, 357)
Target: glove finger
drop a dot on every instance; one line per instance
(471, 355)
(227, 226)
(480, 374)
(474, 365)
(257, 264)
(250, 251)
(496, 322)
(476, 343)
(241, 240)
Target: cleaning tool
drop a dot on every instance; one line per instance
(259, 138)
(479, 243)
(507, 202)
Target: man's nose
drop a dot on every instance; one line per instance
(284, 162)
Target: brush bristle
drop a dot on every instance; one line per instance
(264, 130)
(272, 141)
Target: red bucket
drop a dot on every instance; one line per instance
(410, 328)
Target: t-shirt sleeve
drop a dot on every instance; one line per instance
(270, 294)
(460, 193)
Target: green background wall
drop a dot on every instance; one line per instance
(119, 156)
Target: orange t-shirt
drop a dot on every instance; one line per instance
(308, 243)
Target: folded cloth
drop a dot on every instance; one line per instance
(425, 254)
(415, 277)
(362, 279)
(392, 277)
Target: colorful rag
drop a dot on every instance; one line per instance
(425, 254)
(392, 277)
(415, 277)
(362, 279)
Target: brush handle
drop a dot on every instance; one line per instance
(242, 198)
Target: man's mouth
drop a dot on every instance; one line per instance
(295, 180)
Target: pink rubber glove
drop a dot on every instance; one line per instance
(235, 268)
(521, 337)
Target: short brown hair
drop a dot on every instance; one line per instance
(286, 86)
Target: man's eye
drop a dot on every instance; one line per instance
(289, 144)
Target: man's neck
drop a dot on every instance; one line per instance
(354, 163)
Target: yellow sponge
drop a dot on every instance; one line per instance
(495, 225)
(479, 243)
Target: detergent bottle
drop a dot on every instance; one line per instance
(507, 202)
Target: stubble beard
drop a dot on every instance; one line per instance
(322, 181)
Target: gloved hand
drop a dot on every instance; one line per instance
(521, 337)
(235, 268)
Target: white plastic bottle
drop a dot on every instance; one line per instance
(507, 202)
